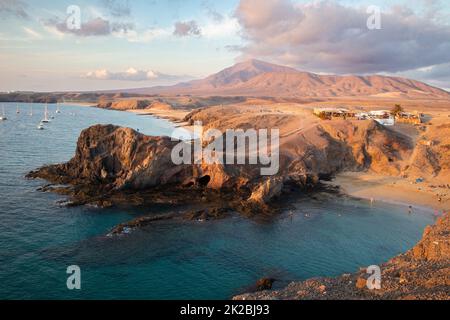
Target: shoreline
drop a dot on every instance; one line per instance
(393, 190)
(176, 117)
(78, 104)
(362, 185)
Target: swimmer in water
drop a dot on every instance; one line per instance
(291, 215)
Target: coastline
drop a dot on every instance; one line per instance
(363, 185)
(176, 117)
(392, 190)
(79, 104)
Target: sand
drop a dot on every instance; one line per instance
(173, 115)
(393, 190)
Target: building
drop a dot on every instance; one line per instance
(407, 117)
(383, 117)
(330, 113)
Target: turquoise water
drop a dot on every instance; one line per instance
(326, 236)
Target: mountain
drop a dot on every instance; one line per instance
(258, 78)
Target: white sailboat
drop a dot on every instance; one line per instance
(3, 116)
(57, 108)
(18, 110)
(31, 111)
(46, 119)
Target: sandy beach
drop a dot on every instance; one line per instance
(393, 190)
(175, 116)
(432, 193)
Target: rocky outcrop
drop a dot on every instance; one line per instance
(132, 104)
(435, 245)
(421, 273)
(117, 158)
(119, 165)
(431, 158)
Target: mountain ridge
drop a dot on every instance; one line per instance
(259, 78)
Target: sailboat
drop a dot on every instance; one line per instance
(31, 111)
(46, 119)
(3, 116)
(57, 108)
(18, 110)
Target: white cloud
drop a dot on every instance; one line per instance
(131, 74)
(224, 28)
(144, 36)
(98, 74)
(33, 34)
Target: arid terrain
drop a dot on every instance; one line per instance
(259, 78)
(407, 164)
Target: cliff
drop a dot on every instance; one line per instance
(113, 163)
(421, 273)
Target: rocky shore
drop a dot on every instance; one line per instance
(114, 165)
(421, 273)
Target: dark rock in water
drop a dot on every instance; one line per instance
(264, 284)
(195, 215)
(207, 214)
(126, 228)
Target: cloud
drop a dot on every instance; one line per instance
(437, 75)
(326, 36)
(212, 12)
(33, 34)
(118, 8)
(185, 29)
(14, 7)
(95, 27)
(226, 27)
(131, 74)
(144, 36)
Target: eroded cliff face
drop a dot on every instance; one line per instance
(431, 158)
(117, 158)
(110, 160)
(421, 273)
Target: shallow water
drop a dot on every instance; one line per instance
(326, 236)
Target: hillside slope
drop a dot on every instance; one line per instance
(258, 78)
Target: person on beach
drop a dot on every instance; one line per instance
(436, 214)
(410, 210)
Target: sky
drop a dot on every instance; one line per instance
(70, 45)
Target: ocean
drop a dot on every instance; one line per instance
(326, 235)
